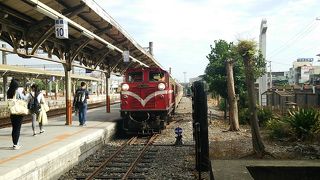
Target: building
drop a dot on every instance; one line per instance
(279, 78)
(315, 75)
(300, 71)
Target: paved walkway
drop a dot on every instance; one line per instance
(236, 169)
(46, 155)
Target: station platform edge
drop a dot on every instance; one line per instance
(50, 154)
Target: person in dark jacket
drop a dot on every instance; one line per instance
(16, 120)
(81, 104)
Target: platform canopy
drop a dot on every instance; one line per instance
(18, 72)
(95, 39)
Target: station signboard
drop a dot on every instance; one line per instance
(305, 60)
(61, 29)
(126, 56)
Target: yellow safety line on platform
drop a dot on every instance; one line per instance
(58, 138)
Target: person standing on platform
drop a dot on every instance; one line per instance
(81, 104)
(16, 120)
(35, 100)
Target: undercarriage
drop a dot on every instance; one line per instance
(144, 122)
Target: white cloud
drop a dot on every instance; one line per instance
(183, 30)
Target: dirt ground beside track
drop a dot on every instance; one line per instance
(234, 145)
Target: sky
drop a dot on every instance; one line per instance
(183, 30)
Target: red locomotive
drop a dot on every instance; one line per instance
(148, 97)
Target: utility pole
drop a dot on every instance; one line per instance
(151, 48)
(270, 85)
(262, 46)
(185, 77)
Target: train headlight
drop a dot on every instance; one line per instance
(161, 86)
(125, 87)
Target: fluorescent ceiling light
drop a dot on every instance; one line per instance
(47, 13)
(111, 47)
(87, 34)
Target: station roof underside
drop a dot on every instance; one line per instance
(95, 40)
(21, 72)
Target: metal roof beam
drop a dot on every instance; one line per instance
(86, 19)
(16, 14)
(81, 28)
(75, 10)
(100, 59)
(49, 32)
(127, 67)
(78, 49)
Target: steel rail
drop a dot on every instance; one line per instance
(133, 165)
(99, 169)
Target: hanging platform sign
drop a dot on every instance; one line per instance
(61, 29)
(88, 71)
(125, 56)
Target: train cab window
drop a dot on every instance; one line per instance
(156, 76)
(135, 77)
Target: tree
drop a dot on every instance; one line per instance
(216, 74)
(232, 99)
(254, 64)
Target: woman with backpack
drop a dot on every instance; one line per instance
(16, 120)
(35, 100)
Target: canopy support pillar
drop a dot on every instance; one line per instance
(107, 93)
(68, 94)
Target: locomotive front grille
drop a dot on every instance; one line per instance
(135, 103)
(143, 92)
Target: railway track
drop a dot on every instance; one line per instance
(6, 122)
(131, 160)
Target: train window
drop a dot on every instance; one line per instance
(135, 77)
(156, 76)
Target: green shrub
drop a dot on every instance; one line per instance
(264, 115)
(278, 128)
(244, 116)
(316, 127)
(222, 105)
(303, 122)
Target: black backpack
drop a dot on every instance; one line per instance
(80, 97)
(34, 105)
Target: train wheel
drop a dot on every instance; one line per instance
(165, 118)
(122, 114)
(162, 124)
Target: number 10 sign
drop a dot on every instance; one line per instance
(61, 29)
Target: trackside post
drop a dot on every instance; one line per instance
(200, 126)
(178, 132)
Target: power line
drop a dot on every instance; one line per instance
(286, 43)
(300, 35)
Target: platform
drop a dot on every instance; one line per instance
(47, 155)
(237, 169)
(60, 103)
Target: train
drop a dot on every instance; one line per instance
(149, 96)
